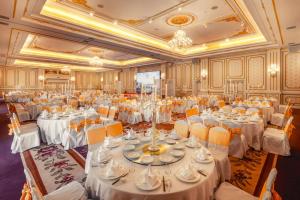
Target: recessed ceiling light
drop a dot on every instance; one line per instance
(227, 40)
(214, 7)
(91, 13)
(290, 27)
(242, 24)
(180, 8)
(115, 22)
(150, 21)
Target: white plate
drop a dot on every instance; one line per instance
(134, 142)
(114, 144)
(133, 155)
(166, 158)
(129, 147)
(118, 174)
(131, 137)
(179, 146)
(145, 139)
(177, 153)
(147, 188)
(191, 146)
(170, 141)
(208, 160)
(147, 159)
(196, 179)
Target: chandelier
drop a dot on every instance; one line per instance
(96, 61)
(180, 40)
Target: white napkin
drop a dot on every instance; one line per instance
(112, 169)
(174, 135)
(193, 141)
(103, 153)
(188, 172)
(201, 154)
(130, 134)
(149, 179)
(108, 141)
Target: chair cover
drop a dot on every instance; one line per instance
(227, 191)
(24, 137)
(218, 141)
(71, 191)
(114, 129)
(181, 127)
(277, 141)
(74, 136)
(201, 132)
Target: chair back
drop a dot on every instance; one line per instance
(181, 127)
(200, 131)
(219, 136)
(96, 135)
(114, 129)
(269, 184)
(289, 126)
(112, 113)
(191, 112)
(103, 111)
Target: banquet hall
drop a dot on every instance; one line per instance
(144, 100)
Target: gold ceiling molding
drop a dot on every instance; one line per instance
(61, 12)
(38, 64)
(28, 50)
(230, 18)
(180, 19)
(82, 3)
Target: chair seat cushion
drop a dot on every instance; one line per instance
(227, 191)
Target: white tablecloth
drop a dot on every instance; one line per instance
(52, 129)
(100, 189)
(253, 131)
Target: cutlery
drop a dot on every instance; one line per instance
(164, 185)
(116, 181)
(201, 172)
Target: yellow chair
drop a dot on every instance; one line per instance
(182, 128)
(96, 135)
(219, 136)
(200, 131)
(114, 129)
(191, 112)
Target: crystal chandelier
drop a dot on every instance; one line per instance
(96, 61)
(180, 40)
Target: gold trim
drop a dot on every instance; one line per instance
(277, 20)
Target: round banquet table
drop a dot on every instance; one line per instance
(267, 111)
(253, 131)
(52, 129)
(126, 189)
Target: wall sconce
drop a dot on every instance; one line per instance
(203, 73)
(41, 78)
(116, 78)
(134, 77)
(273, 69)
(72, 78)
(101, 79)
(163, 76)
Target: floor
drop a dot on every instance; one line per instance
(12, 177)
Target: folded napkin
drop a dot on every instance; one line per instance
(174, 135)
(188, 172)
(149, 178)
(193, 141)
(201, 154)
(102, 154)
(130, 134)
(112, 169)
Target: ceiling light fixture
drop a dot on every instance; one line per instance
(227, 40)
(180, 40)
(91, 13)
(150, 21)
(179, 9)
(96, 61)
(115, 22)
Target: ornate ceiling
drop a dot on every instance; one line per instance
(132, 32)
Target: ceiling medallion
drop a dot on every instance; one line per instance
(180, 20)
(180, 40)
(96, 61)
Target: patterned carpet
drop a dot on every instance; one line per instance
(245, 172)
